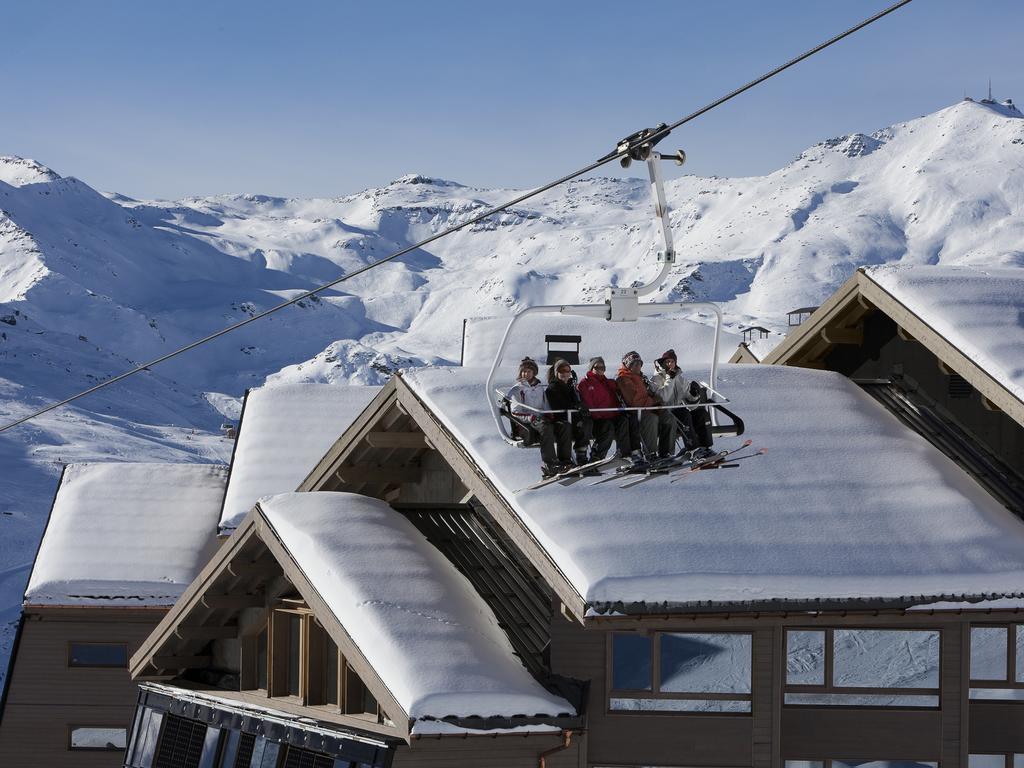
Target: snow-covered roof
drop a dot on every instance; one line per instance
(127, 534)
(846, 504)
(420, 624)
(285, 431)
(979, 310)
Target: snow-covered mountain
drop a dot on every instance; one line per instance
(92, 283)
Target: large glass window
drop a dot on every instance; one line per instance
(1002, 760)
(862, 667)
(680, 672)
(97, 655)
(997, 661)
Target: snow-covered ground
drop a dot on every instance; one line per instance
(91, 283)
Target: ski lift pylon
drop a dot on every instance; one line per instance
(622, 305)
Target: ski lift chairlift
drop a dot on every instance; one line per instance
(623, 304)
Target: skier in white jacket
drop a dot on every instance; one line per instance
(526, 398)
(674, 388)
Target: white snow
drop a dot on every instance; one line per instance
(979, 310)
(285, 430)
(127, 534)
(419, 623)
(847, 503)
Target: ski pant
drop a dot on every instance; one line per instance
(604, 430)
(695, 427)
(555, 441)
(658, 432)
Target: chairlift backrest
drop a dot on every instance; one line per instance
(571, 356)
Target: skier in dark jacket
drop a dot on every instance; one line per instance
(562, 396)
(526, 399)
(599, 393)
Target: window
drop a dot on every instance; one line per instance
(293, 656)
(97, 655)
(680, 672)
(1003, 760)
(862, 667)
(860, 763)
(997, 661)
(98, 737)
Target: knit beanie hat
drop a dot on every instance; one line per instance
(631, 359)
(671, 354)
(594, 362)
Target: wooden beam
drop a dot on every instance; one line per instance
(903, 334)
(250, 568)
(180, 662)
(206, 633)
(988, 405)
(854, 336)
(233, 601)
(396, 439)
(372, 473)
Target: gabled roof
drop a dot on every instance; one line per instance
(127, 534)
(411, 626)
(417, 620)
(848, 508)
(284, 430)
(971, 318)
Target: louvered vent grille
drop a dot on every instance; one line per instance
(304, 758)
(181, 744)
(246, 744)
(959, 387)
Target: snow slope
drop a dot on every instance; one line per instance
(92, 283)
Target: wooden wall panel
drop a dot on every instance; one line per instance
(46, 696)
(996, 727)
(493, 752)
(864, 734)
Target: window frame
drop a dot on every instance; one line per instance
(315, 643)
(72, 643)
(1010, 681)
(845, 690)
(74, 726)
(655, 691)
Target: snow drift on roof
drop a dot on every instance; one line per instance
(847, 503)
(980, 311)
(133, 534)
(285, 431)
(419, 623)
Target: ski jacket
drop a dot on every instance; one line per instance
(599, 392)
(635, 390)
(672, 389)
(529, 394)
(562, 397)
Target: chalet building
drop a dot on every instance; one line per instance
(852, 595)
(122, 543)
(943, 349)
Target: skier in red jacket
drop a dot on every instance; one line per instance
(597, 391)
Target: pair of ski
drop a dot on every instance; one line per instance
(575, 473)
(686, 467)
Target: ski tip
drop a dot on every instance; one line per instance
(747, 442)
(763, 450)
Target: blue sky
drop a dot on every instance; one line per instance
(160, 99)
